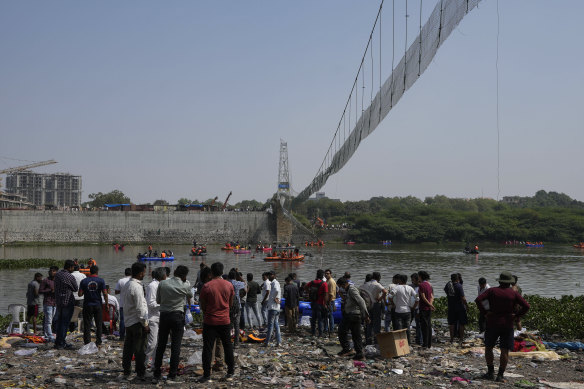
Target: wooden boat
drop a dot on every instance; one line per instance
(160, 259)
(298, 258)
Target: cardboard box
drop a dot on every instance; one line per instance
(393, 344)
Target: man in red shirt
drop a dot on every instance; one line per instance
(317, 292)
(215, 299)
(500, 316)
(426, 293)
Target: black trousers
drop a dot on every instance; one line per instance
(351, 323)
(173, 324)
(401, 321)
(210, 333)
(92, 312)
(482, 323)
(135, 344)
(426, 327)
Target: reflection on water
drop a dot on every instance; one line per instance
(551, 271)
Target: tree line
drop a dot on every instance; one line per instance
(548, 217)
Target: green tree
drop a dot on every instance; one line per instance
(185, 201)
(160, 202)
(114, 197)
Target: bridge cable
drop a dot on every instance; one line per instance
(392, 51)
(498, 128)
(420, 54)
(406, 47)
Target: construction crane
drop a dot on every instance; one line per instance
(226, 200)
(25, 167)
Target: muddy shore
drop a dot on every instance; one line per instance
(301, 361)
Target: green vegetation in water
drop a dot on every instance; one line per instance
(547, 217)
(550, 316)
(30, 263)
(55, 244)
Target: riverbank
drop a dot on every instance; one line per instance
(301, 361)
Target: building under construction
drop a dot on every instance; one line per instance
(54, 190)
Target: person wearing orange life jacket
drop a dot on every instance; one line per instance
(91, 262)
(163, 255)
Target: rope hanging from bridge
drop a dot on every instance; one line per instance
(446, 15)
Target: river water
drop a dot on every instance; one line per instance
(551, 271)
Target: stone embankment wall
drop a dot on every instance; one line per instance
(131, 226)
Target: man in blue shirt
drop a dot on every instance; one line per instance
(92, 288)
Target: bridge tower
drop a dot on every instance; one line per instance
(283, 225)
(283, 172)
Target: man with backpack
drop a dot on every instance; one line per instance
(354, 311)
(317, 294)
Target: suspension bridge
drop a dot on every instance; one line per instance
(363, 113)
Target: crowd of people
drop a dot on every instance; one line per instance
(151, 315)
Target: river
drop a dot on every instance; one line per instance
(551, 271)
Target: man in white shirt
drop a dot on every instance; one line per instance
(118, 290)
(112, 300)
(273, 306)
(136, 322)
(78, 277)
(389, 305)
(405, 299)
(158, 274)
(265, 293)
(78, 300)
(377, 293)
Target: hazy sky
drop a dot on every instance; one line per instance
(190, 98)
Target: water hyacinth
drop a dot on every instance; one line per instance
(551, 317)
(30, 263)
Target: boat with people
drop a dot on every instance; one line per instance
(579, 246)
(474, 250)
(198, 251)
(318, 243)
(156, 259)
(533, 244)
(296, 258)
(85, 269)
(386, 242)
(262, 248)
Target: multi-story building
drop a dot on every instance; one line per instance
(41, 189)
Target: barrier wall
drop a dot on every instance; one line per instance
(132, 226)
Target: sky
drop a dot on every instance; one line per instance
(164, 100)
